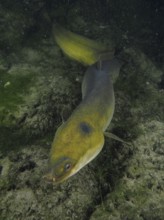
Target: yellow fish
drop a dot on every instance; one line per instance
(80, 139)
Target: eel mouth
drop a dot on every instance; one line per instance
(50, 178)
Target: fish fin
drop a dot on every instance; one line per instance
(115, 137)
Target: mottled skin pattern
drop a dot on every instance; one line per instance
(81, 137)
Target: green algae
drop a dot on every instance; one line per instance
(35, 96)
(13, 89)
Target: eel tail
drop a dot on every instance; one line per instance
(79, 48)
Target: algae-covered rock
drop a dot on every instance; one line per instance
(139, 194)
(28, 196)
(34, 91)
(5, 165)
(18, 19)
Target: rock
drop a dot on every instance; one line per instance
(139, 194)
(17, 19)
(28, 196)
(35, 95)
(5, 165)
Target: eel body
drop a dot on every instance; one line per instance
(80, 139)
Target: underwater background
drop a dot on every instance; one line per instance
(40, 87)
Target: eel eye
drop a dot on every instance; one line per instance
(67, 166)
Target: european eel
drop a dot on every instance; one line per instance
(80, 139)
